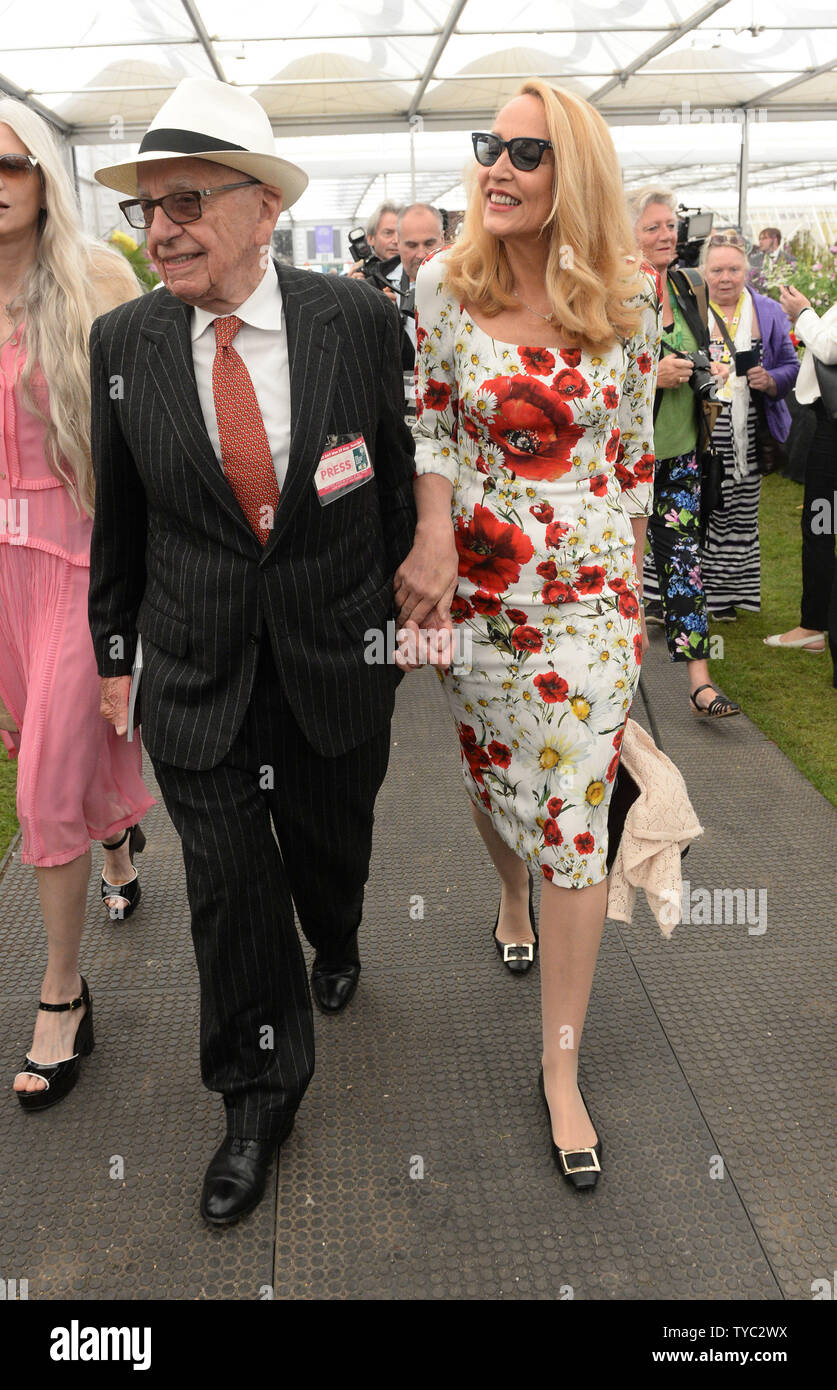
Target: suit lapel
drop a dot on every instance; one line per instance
(172, 370)
(313, 345)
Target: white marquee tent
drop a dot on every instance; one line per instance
(724, 100)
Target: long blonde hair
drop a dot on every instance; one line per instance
(590, 236)
(73, 279)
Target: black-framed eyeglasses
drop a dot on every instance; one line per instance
(524, 152)
(178, 207)
(13, 165)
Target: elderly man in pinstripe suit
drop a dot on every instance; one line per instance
(254, 500)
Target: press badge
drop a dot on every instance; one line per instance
(345, 465)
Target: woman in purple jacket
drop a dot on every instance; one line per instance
(754, 324)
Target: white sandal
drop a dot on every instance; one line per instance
(803, 643)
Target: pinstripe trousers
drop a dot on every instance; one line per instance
(256, 1030)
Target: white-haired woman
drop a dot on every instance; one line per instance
(76, 780)
(537, 342)
(673, 577)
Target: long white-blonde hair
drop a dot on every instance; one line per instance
(73, 279)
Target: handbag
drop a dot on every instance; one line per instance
(827, 382)
(771, 454)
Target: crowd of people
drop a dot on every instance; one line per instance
(222, 468)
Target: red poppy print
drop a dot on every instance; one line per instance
(644, 469)
(618, 736)
(555, 805)
(628, 606)
(585, 844)
(483, 466)
(533, 427)
(537, 361)
(625, 477)
(491, 552)
(476, 757)
(499, 754)
(542, 512)
(598, 484)
(618, 585)
(612, 445)
(643, 361)
(552, 688)
(610, 396)
(551, 833)
(517, 615)
(436, 395)
(612, 768)
(572, 356)
(638, 648)
(460, 609)
(570, 384)
(556, 591)
(421, 338)
(555, 533)
(488, 604)
(590, 579)
(547, 872)
(527, 639)
(548, 569)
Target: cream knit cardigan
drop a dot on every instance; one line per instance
(658, 826)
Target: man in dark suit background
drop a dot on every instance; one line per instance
(254, 499)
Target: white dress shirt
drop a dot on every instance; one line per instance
(820, 338)
(262, 345)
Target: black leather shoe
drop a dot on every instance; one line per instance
(581, 1167)
(235, 1179)
(332, 988)
(519, 957)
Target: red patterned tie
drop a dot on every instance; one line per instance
(245, 448)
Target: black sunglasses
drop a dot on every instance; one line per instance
(14, 164)
(178, 207)
(525, 153)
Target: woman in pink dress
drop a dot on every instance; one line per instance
(77, 780)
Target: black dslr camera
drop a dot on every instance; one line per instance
(702, 382)
(374, 269)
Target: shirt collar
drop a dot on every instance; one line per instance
(262, 310)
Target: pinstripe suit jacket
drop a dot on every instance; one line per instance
(173, 557)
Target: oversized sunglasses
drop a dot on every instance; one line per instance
(14, 165)
(178, 207)
(524, 152)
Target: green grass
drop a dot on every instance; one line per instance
(789, 695)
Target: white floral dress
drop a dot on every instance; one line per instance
(550, 453)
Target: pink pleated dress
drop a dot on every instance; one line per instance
(77, 780)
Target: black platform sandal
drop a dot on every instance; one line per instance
(518, 957)
(581, 1166)
(131, 890)
(59, 1077)
(719, 708)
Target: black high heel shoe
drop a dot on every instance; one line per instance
(59, 1077)
(130, 891)
(518, 958)
(582, 1175)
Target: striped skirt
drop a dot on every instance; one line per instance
(730, 562)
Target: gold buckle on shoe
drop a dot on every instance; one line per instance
(594, 1167)
(527, 946)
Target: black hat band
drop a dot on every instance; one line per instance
(184, 142)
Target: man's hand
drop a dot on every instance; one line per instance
(356, 272)
(761, 380)
(113, 705)
(430, 645)
(673, 371)
(793, 302)
(720, 370)
(427, 578)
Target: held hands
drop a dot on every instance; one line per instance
(427, 578)
(113, 705)
(430, 645)
(793, 302)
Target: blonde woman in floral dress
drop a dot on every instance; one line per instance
(535, 469)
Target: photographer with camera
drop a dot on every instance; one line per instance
(378, 250)
(685, 471)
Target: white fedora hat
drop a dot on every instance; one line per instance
(205, 119)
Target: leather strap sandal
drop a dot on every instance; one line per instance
(130, 892)
(719, 708)
(59, 1078)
